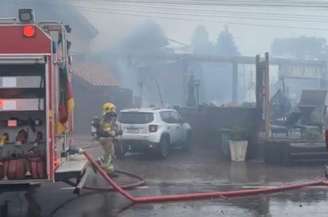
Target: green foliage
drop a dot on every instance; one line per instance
(226, 45)
(200, 41)
(215, 78)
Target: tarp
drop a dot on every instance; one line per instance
(66, 100)
(315, 98)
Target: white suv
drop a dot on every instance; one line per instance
(153, 129)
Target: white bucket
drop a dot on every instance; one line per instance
(238, 150)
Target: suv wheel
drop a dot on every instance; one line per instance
(164, 148)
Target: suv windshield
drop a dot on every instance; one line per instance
(136, 117)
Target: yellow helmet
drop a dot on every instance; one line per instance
(108, 107)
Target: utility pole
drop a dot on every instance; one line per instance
(184, 81)
(159, 92)
(323, 76)
(140, 84)
(259, 98)
(263, 104)
(234, 82)
(142, 71)
(267, 100)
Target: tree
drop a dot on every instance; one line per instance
(215, 78)
(200, 42)
(301, 47)
(140, 72)
(226, 45)
(201, 45)
(222, 82)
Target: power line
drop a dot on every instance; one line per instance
(170, 8)
(287, 4)
(207, 15)
(175, 16)
(229, 11)
(106, 11)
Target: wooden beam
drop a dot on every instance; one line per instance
(234, 82)
(220, 59)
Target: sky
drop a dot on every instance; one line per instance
(114, 19)
(250, 39)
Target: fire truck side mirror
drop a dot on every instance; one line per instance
(54, 47)
(26, 15)
(68, 28)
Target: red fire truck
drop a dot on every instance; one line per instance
(36, 104)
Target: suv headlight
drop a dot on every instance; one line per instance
(153, 128)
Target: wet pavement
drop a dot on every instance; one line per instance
(200, 170)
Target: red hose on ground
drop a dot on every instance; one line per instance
(138, 183)
(196, 196)
(107, 178)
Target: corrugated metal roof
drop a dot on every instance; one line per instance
(95, 74)
(313, 98)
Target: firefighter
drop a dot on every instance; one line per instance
(107, 133)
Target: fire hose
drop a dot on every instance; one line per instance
(196, 196)
(140, 181)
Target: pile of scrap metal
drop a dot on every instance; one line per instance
(281, 107)
(307, 120)
(299, 136)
